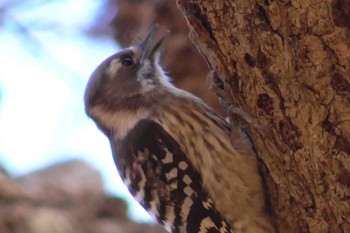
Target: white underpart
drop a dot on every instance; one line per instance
(146, 83)
(121, 121)
(113, 67)
(159, 75)
(164, 79)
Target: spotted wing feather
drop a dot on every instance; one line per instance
(165, 183)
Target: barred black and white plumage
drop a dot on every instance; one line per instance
(172, 151)
(161, 178)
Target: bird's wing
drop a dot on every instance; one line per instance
(157, 173)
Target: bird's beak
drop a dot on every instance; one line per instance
(148, 47)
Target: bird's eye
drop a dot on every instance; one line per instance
(126, 60)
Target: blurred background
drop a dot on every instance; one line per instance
(57, 172)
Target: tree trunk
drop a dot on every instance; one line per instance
(286, 64)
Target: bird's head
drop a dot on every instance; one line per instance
(127, 77)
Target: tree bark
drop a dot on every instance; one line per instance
(286, 64)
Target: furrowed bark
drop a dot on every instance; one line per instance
(286, 63)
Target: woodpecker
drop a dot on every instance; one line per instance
(173, 152)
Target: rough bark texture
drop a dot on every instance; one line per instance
(286, 63)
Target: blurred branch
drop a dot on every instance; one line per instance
(34, 46)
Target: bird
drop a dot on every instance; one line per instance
(174, 153)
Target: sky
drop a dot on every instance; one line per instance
(46, 59)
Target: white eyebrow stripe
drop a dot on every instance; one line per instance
(113, 66)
